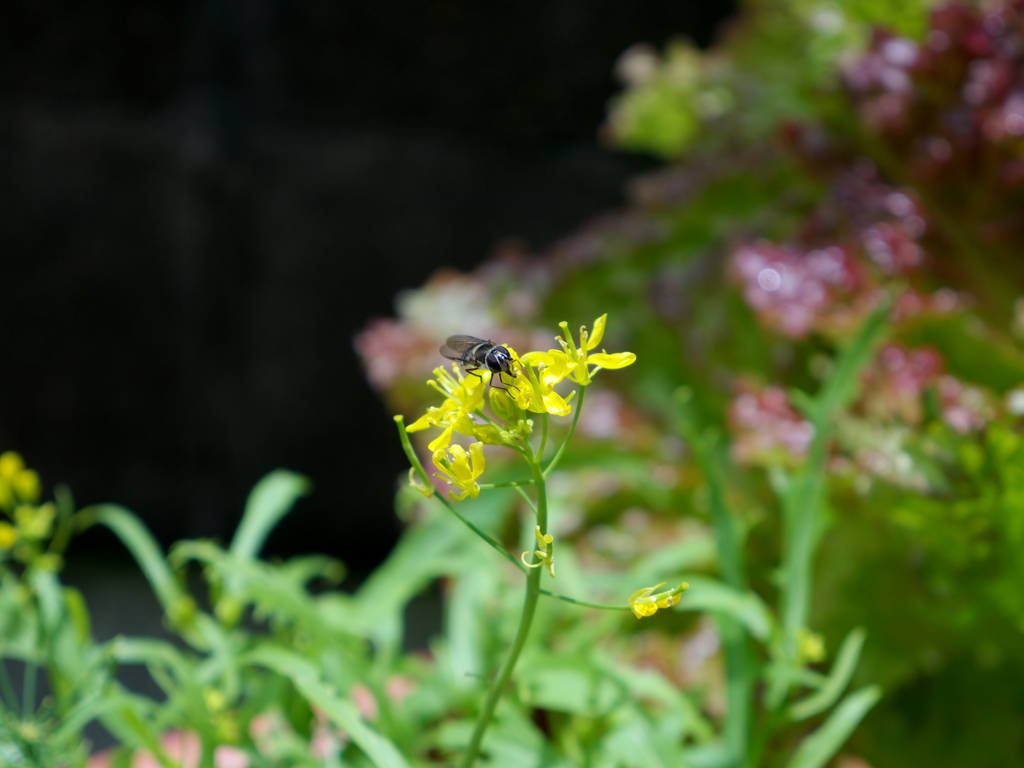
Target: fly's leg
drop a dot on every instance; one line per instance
(481, 377)
(505, 388)
(474, 371)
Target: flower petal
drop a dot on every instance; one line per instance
(598, 333)
(476, 454)
(538, 358)
(441, 441)
(555, 404)
(616, 360)
(426, 420)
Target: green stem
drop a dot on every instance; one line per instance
(561, 449)
(804, 500)
(800, 515)
(509, 484)
(584, 603)
(417, 465)
(522, 633)
(543, 436)
(65, 519)
(28, 690)
(728, 538)
(7, 688)
(528, 501)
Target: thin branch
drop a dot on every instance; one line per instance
(561, 449)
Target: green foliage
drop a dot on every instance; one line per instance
(777, 64)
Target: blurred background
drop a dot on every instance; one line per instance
(203, 201)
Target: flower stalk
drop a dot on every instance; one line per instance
(525, 623)
(462, 413)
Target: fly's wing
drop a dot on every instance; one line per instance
(456, 347)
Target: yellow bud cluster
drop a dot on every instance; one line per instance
(29, 523)
(644, 603)
(18, 485)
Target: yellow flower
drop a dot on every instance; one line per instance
(460, 468)
(810, 646)
(644, 603)
(215, 700)
(6, 494)
(579, 359)
(464, 395)
(11, 464)
(502, 404)
(8, 536)
(26, 485)
(540, 372)
(466, 391)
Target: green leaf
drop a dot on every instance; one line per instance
(632, 742)
(273, 590)
(342, 712)
(569, 685)
(837, 680)
(706, 594)
(651, 686)
(144, 548)
(152, 653)
(128, 718)
(818, 748)
(270, 500)
(844, 381)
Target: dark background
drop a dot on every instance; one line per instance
(202, 202)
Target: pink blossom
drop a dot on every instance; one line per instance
(767, 427)
(791, 290)
(896, 382)
(964, 408)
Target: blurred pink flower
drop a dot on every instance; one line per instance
(964, 408)
(365, 701)
(391, 350)
(791, 290)
(895, 383)
(181, 746)
(766, 427)
(399, 687)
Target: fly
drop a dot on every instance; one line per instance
(480, 354)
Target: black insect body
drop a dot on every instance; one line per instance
(479, 353)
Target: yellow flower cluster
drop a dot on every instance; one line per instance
(460, 468)
(530, 388)
(464, 395)
(19, 495)
(644, 603)
(545, 369)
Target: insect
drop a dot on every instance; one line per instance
(479, 353)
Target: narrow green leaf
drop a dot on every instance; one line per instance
(128, 720)
(844, 381)
(342, 712)
(837, 680)
(267, 587)
(270, 500)
(818, 748)
(144, 548)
